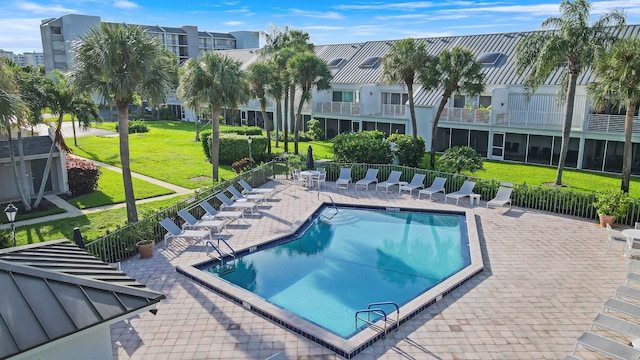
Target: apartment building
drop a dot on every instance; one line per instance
(502, 123)
(24, 59)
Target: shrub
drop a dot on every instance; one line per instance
(409, 154)
(136, 126)
(314, 130)
(362, 147)
(460, 158)
(241, 165)
(6, 241)
(302, 136)
(234, 147)
(240, 130)
(83, 175)
(612, 202)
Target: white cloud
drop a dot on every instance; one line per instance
(383, 6)
(20, 34)
(125, 4)
(42, 9)
(325, 27)
(233, 23)
(316, 14)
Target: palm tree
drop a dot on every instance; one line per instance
(455, 71)
(308, 71)
(33, 86)
(619, 84)
(120, 64)
(570, 44)
(217, 80)
(260, 76)
(403, 63)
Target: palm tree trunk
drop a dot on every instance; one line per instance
(45, 176)
(197, 128)
(263, 108)
(292, 95)
(17, 178)
(123, 133)
(434, 128)
(277, 124)
(285, 124)
(298, 125)
(215, 141)
(566, 126)
(23, 175)
(412, 112)
(628, 131)
(73, 126)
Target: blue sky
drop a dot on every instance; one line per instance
(326, 21)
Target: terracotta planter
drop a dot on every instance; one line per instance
(606, 219)
(145, 248)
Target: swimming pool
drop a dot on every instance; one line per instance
(337, 263)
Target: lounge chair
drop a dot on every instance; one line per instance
(370, 177)
(627, 291)
(238, 196)
(175, 232)
(394, 179)
(502, 198)
(344, 178)
(211, 213)
(417, 182)
(611, 238)
(436, 186)
(251, 190)
(621, 307)
(228, 203)
(190, 222)
(465, 190)
(606, 346)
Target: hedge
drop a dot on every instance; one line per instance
(235, 147)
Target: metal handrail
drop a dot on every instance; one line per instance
(378, 312)
(391, 303)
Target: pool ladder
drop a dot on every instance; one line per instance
(332, 203)
(375, 309)
(225, 267)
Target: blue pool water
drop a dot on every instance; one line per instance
(344, 261)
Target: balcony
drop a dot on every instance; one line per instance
(532, 119)
(255, 104)
(390, 111)
(334, 107)
(611, 123)
(466, 115)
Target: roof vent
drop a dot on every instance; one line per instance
(335, 62)
(369, 62)
(489, 58)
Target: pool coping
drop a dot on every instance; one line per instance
(347, 348)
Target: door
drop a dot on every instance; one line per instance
(497, 146)
(37, 173)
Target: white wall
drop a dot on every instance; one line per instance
(94, 344)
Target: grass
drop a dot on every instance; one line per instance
(44, 209)
(111, 191)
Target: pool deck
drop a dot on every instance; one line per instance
(546, 277)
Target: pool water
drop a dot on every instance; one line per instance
(346, 260)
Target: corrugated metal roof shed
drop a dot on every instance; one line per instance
(54, 289)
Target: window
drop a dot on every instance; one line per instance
(369, 62)
(343, 96)
(394, 98)
(56, 30)
(489, 58)
(335, 62)
(459, 101)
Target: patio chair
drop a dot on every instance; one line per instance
(465, 190)
(632, 247)
(627, 291)
(299, 180)
(321, 178)
(228, 203)
(344, 178)
(622, 307)
(238, 196)
(369, 178)
(175, 232)
(606, 346)
(417, 182)
(436, 186)
(192, 223)
(502, 198)
(609, 322)
(211, 213)
(394, 179)
(611, 238)
(251, 190)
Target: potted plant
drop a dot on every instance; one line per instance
(611, 204)
(145, 248)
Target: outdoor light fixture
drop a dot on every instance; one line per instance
(250, 140)
(11, 211)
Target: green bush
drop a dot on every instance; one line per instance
(612, 202)
(234, 147)
(409, 154)
(315, 132)
(240, 130)
(460, 158)
(362, 147)
(241, 165)
(302, 136)
(82, 175)
(136, 126)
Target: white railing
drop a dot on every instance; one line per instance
(611, 123)
(465, 115)
(531, 119)
(255, 104)
(334, 107)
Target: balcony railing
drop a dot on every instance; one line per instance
(611, 123)
(464, 115)
(334, 107)
(390, 111)
(531, 119)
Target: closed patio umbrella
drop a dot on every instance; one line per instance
(310, 165)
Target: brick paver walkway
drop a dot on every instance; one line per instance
(546, 277)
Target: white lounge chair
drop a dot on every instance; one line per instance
(394, 179)
(369, 178)
(190, 222)
(465, 190)
(344, 179)
(238, 196)
(228, 203)
(502, 198)
(621, 307)
(175, 232)
(611, 238)
(609, 322)
(417, 182)
(211, 213)
(603, 345)
(436, 186)
(251, 190)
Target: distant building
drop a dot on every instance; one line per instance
(29, 58)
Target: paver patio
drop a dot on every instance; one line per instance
(546, 277)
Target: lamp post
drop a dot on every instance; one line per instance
(250, 140)
(11, 212)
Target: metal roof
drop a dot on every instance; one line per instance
(54, 289)
(245, 56)
(36, 145)
(216, 35)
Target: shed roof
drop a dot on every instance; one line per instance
(31, 146)
(54, 289)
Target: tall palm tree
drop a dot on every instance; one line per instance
(120, 64)
(619, 84)
(403, 63)
(455, 71)
(33, 86)
(260, 75)
(569, 44)
(308, 71)
(217, 80)
(276, 91)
